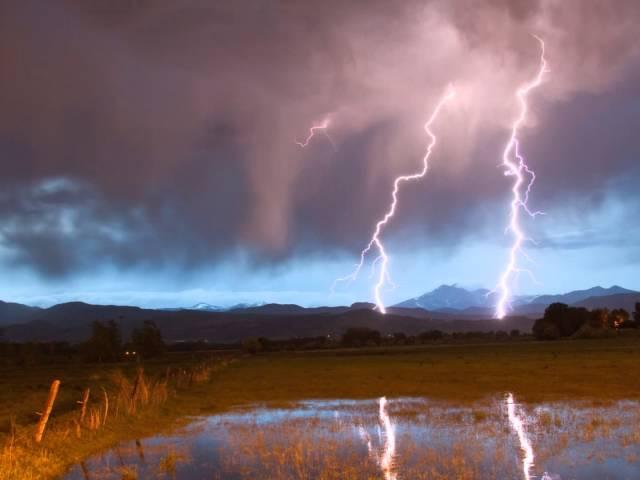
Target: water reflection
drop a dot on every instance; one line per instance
(387, 437)
(395, 439)
(518, 425)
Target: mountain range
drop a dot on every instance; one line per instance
(455, 299)
(448, 308)
(72, 322)
(207, 307)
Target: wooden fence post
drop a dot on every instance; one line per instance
(83, 402)
(44, 418)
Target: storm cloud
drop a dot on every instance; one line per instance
(163, 133)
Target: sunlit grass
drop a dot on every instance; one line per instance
(140, 402)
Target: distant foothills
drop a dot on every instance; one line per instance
(448, 308)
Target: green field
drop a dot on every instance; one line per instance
(534, 371)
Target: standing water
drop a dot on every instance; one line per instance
(390, 439)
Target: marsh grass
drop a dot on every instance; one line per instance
(170, 461)
(308, 441)
(458, 443)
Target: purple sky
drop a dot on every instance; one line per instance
(148, 148)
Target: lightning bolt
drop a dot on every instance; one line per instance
(517, 167)
(322, 128)
(383, 259)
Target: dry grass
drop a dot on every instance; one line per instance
(124, 404)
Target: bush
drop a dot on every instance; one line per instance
(561, 320)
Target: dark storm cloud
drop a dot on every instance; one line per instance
(170, 127)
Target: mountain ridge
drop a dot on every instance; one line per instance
(454, 299)
(71, 321)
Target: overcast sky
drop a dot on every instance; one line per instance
(149, 156)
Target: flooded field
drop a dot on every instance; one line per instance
(390, 439)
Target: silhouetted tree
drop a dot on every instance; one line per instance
(560, 320)
(599, 318)
(147, 341)
(567, 319)
(543, 329)
(105, 343)
(634, 321)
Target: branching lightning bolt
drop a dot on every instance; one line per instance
(517, 167)
(383, 259)
(321, 128)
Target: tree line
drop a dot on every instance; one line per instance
(562, 321)
(356, 337)
(105, 344)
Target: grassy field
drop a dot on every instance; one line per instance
(534, 371)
